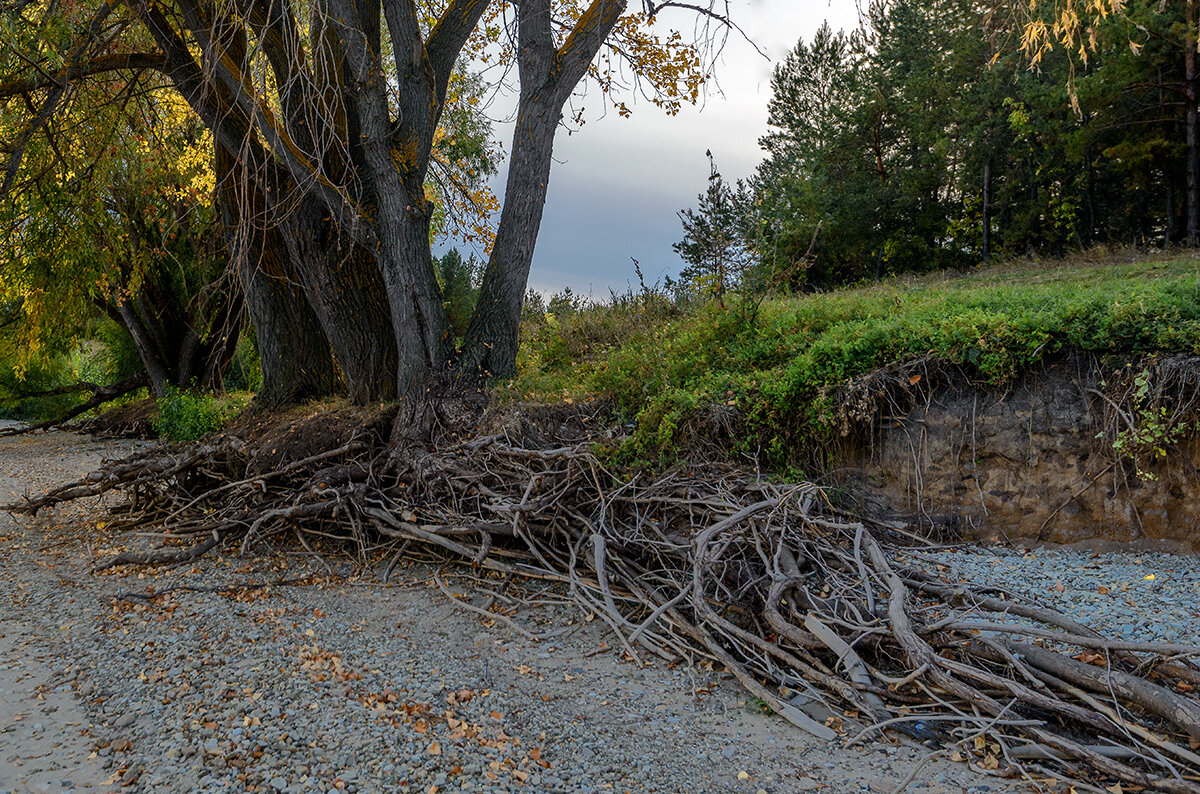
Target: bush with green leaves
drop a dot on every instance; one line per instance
(459, 279)
(188, 415)
(778, 371)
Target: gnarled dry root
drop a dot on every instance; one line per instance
(797, 601)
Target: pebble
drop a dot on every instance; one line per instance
(1148, 597)
(344, 687)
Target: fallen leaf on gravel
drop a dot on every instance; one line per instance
(421, 726)
(1102, 590)
(1115, 788)
(743, 775)
(434, 749)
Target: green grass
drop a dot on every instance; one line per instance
(659, 366)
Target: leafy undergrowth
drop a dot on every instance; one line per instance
(185, 415)
(662, 367)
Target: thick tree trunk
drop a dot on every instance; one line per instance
(344, 288)
(156, 369)
(295, 355)
(548, 76)
(490, 346)
(393, 159)
(1193, 133)
(422, 333)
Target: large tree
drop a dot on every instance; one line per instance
(117, 219)
(325, 116)
(888, 155)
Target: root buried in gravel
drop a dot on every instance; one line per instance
(799, 602)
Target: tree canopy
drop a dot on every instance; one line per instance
(336, 126)
(886, 154)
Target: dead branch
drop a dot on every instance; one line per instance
(765, 579)
(100, 396)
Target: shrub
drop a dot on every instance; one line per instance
(659, 366)
(188, 415)
(245, 370)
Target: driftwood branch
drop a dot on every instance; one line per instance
(764, 579)
(100, 396)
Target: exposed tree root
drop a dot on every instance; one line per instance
(100, 396)
(800, 603)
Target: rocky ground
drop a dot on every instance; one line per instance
(1132, 594)
(199, 678)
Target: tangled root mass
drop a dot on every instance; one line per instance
(796, 599)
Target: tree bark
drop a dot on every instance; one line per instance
(295, 355)
(1193, 132)
(490, 345)
(341, 286)
(156, 368)
(394, 161)
(548, 76)
(346, 293)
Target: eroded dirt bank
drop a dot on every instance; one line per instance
(1039, 460)
(333, 682)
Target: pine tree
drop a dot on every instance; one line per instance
(713, 246)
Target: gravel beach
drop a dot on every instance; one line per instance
(334, 682)
(1136, 595)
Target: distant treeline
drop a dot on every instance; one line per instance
(926, 140)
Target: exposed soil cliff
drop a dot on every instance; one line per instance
(1069, 452)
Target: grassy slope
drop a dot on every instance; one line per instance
(659, 365)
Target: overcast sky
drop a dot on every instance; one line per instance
(617, 183)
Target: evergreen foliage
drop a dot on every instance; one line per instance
(459, 279)
(924, 140)
(712, 247)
